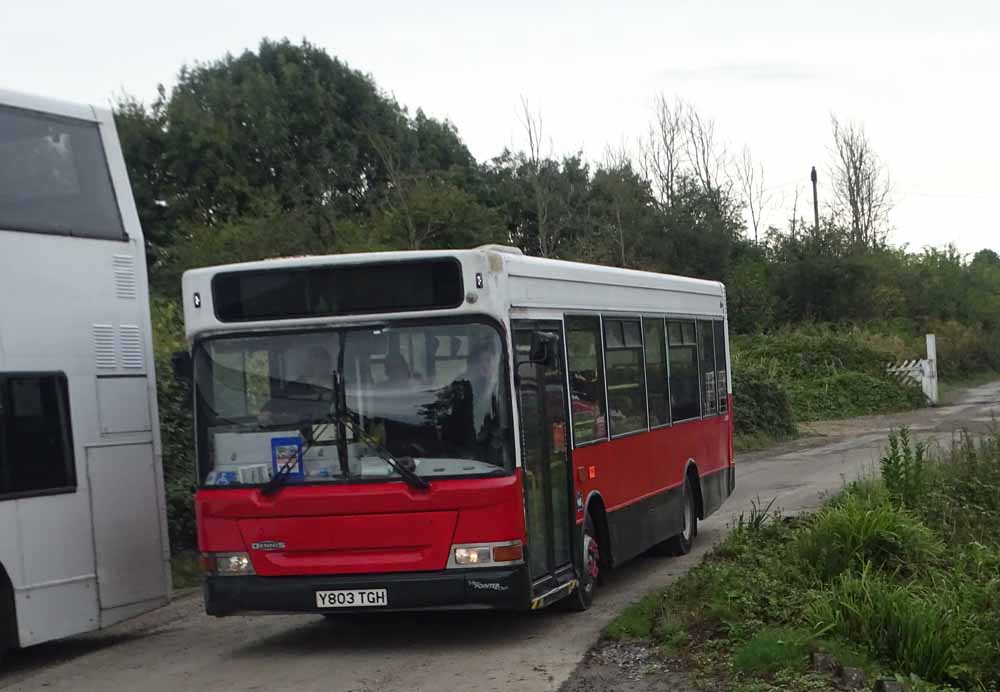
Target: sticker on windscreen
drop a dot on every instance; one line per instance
(286, 456)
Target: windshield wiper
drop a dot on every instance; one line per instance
(403, 469)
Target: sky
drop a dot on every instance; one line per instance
(923, 78)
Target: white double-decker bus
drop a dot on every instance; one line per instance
(83, 539)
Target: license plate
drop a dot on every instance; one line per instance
(354, 598)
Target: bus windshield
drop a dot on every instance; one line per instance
(436, 393)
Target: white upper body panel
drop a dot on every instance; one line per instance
(495, 281)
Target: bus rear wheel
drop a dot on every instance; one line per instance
(681, 543)
(583, 596)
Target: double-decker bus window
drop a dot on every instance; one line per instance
(36, 446)
(685, 396)
(54, 177)
(656, 371)
(586, 378)
(721, 370)
(626, 389)
(706, 340)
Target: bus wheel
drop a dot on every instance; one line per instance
(681, 543)
(583, 596)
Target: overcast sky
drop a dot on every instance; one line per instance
(923, 77)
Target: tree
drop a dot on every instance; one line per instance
(662, 154)
(751, 181)
(861, 188)
(705, 156)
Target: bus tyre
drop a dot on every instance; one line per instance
(681, 543)
(583, 595)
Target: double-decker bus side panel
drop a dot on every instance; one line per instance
(88, 544)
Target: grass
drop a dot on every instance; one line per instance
(899, 578)
(186, 571)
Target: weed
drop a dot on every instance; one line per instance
(758, 517)
(856, 531)
(904, 468)
(637, 620)
(773, 649)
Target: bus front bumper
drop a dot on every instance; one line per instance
(495, 588)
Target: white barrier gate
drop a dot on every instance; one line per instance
(922, 371)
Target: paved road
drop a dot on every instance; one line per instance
(179, 648)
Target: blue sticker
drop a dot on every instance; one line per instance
(225, 477)
(285, 450)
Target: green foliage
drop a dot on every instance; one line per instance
(927, 631)
(904, 468)
(905, 591)
(858, 531)
(846, 394)
(761, 405)
(772, 649)
(637, 621)
(174, 401)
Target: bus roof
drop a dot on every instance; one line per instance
(528, 279)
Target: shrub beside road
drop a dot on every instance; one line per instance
(894, 578)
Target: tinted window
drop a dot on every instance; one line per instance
(626, 389)
(36, 447)
(586, 378)
(656, 372)
(325, 291)
(54, 177)
(721, 366)
(685, 397)
(706, 339)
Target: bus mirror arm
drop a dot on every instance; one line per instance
(183, 367)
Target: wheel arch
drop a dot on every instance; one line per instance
(691, 473)
(8, 612)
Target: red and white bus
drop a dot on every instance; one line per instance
(449, 429)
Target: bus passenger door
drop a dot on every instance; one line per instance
(544, 452)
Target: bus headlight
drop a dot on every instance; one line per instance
(486, 554)
(227, 564)
(472, 556)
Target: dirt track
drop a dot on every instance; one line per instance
(179, 648)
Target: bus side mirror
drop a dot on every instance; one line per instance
(183, 367)
(543, 349)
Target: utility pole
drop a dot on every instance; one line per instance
(812, 176)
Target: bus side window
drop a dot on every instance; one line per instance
(624, 357)
(656, 371)
(586, 378)
(36, 443)
(706, 342)
(682, 349)
(721, 366)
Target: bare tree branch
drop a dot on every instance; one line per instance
(662, 154)
(704, 155)
(751, 181)
(861, 189)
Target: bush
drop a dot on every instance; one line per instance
(761, 405)
(965, 350)
(929, 632)
(851, 393)
(859, 531)
(174, 402)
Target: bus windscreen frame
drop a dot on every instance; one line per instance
(302, 292)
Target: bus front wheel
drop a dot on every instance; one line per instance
(583, 596)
